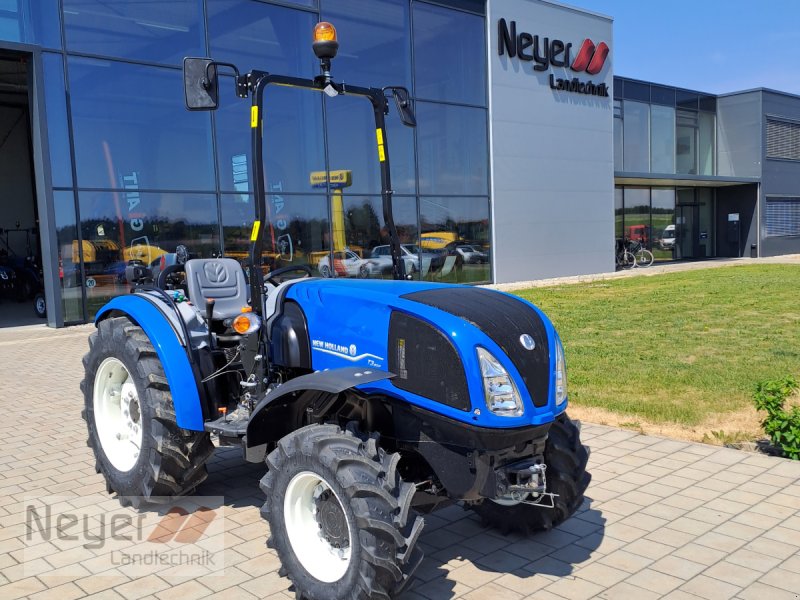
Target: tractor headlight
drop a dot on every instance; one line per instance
(561, 373)
(502, 397)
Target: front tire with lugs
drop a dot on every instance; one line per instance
(130, 416)
(340, 515)
(566, 460)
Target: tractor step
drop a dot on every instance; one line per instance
(227, 428)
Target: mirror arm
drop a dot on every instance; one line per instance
(241, 80)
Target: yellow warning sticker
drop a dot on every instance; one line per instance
(381, 151)
(253, 116)
(256, 228)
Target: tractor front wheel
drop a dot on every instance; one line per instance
(566, 460)
(340, 515)
(133, 431)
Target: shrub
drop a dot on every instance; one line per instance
(782, 424)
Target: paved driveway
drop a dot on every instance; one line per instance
(661, 519)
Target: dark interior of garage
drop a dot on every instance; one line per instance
(20, 255)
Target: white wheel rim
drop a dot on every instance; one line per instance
(117, 414)
(318, 556)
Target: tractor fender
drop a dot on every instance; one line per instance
(331, 381)
(171, 352)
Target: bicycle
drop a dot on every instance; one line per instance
(642, 256)
(623, 257)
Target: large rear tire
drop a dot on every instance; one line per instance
(133, 431)
(566, 460)
(340, 515)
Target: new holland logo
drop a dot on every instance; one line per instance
(546, 53)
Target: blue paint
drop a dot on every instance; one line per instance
(171, 353)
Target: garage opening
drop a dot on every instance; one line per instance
(21, 289)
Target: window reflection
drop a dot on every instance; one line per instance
(637, 216)
(449, 55)
(663, 222)
(352, 146)
(293, 147)
(71, 289)
(636, 136)
(706, 127)
(619, 213)
(452, 149)
(662, 140)
(455, 239)
(363, 244)
(31, 22)
(118, 227)
(255, 35)
(132, 131)
(686, 142)
(137, 30)
(377, 32)
(58, 135)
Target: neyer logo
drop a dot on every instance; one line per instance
(547, 52)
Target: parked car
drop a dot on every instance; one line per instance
(471, 254)
(381, 258)
(346, 263)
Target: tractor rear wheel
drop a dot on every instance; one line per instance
(137, 444)
(340, 515)
(566, 460)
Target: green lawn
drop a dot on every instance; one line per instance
(677, 347)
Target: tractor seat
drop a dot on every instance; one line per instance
(219, 278)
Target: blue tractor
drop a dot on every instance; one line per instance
(371, 402)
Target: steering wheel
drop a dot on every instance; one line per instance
(289, 269)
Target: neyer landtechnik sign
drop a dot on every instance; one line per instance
(553, 52)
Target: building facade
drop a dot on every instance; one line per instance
(528, 160)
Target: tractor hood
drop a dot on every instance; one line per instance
(428, 336)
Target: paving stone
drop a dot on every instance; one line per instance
(575, 589)
(655, 581)
(733, 573)
(760, 591)
(710, 588)
(625, 561)
(626, 591)
(783, 579)
(678, 567)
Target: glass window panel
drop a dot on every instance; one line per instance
(118, 227)
(71, 289)
(455, 239)
(255, 35)
(132, 130)
(619, 213)
(375, 38)
(163, 32)
(635, 90)
(57, 130)
(449, 55)
(352, 146)
(619, 88)
(636, 137)
(31, 22)
(663, 222)
(705, 146)
(476, 6)
(361, 240)
(662, 139)
(662, 95)
(685, 99)
(637, 215)
(708, 103)
(453, 158)
(618, 128)
(293, 147)
(686, 142)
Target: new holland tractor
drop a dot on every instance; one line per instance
(370, 402)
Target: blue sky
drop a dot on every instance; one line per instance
(712, 46)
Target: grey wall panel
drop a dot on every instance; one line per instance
(781, 177)
(739, 152)
(552, 151)
(740, 199)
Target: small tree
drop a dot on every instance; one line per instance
(782, 424)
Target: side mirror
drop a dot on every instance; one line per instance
(200, 84)
(403, 102)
